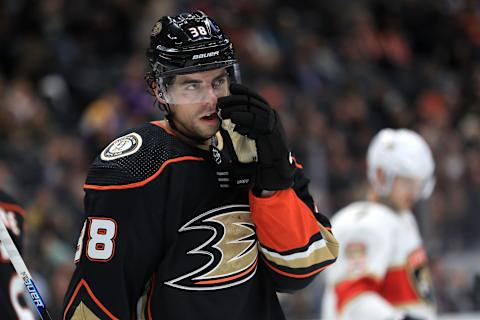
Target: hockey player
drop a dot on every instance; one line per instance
(12, 290)
(382, 271)
(196, 216)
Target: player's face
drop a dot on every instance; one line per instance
(193, 101)
(405, 192)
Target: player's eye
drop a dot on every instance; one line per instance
(220, 82)
(192, 86)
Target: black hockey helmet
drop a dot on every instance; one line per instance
(188, 43)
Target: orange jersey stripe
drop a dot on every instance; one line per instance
(349, 289)
(94, 298)
(229, 278)
(162, 124)
(298, 165)
(13, 207)
(144, 182)
(283, 221)
(397, 287)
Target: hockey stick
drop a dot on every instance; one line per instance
(22, 271)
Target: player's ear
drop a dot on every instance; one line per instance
(158, 93)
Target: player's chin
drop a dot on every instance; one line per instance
(210, 125)
(407, 204)
(208, 128)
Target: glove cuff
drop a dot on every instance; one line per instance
(274, 179)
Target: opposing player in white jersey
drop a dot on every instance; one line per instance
(381, 272)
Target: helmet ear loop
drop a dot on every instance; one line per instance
(150, 83)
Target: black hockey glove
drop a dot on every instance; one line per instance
(233, 160)
(253, 117)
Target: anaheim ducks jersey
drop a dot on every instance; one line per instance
(12, 290)
(162, 240)
(382, 270)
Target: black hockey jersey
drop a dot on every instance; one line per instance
(162, 240)
(12, 300)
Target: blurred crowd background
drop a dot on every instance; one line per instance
(71, 79)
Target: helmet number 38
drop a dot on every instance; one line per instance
(198, 31)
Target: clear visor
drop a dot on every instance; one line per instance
(199, 87)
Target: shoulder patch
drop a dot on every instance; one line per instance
(122, 147)
(136, 157)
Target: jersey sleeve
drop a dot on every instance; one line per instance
(295, 240)
(365, 257)
(111, 265)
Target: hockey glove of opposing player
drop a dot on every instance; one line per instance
(253, 117)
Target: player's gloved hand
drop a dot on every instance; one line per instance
(233, 158)
(254, 118)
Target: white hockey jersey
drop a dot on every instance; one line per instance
(381, 272)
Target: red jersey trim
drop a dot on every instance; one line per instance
(349, 289)
(13, 207)
(397, 287)
(94, 298)
(144, 182)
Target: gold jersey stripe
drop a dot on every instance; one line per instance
(319, 255)
(82, 312)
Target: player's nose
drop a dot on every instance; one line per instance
(211, 98)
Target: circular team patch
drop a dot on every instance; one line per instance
(122, 147)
